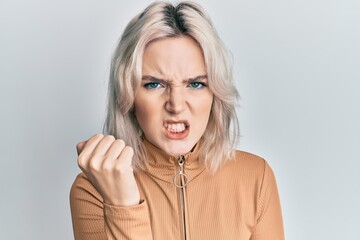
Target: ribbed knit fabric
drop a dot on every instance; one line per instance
(240, 201)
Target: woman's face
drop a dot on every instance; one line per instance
(173, 103)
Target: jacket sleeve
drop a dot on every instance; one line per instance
(94, 220)
(269, 225)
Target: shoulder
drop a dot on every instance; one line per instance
(248, 164)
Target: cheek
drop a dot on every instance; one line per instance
(203, 106)
(207, 105)
(145, 113)
(142, 112)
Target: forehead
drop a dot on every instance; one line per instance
(173, 57)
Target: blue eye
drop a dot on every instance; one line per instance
(152, 85)
(197, 85)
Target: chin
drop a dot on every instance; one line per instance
(179, 148)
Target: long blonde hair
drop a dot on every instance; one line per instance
(166, 20)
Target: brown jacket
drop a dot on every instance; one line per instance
(240, 201)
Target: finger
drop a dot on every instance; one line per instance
(125, 158)
(92, 143)
(115, 149)
(112, 154)
(80, 146)
(98, 157)
(88, 150)
(103, 145)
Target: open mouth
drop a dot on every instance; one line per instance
(176, 130)
(175, 127)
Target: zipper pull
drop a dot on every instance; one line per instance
(181, 177)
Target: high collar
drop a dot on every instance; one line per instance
(164, 166)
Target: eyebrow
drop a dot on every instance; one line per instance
(155, 79)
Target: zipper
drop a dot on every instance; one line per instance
(180, 181)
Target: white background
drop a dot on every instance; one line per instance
(296, 65)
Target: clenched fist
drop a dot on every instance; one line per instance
(106, 162)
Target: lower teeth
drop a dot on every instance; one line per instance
(176, 131)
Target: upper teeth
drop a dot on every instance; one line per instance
(176, 127)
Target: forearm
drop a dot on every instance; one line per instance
(92, 219)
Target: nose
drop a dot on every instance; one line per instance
(176, 101)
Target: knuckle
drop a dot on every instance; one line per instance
(81, 160)
(93, 165)
(107, 167)
(121, 167)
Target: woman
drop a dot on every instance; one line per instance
(167, 168)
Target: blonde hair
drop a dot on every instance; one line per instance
(166, 20)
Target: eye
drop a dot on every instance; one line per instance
(152, 85)
(197, 85)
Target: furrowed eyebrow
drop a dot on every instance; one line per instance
(198, 78)
(151, 78)
(155, 79)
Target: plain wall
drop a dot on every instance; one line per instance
(296, 65)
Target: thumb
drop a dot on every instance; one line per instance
(80, 146)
